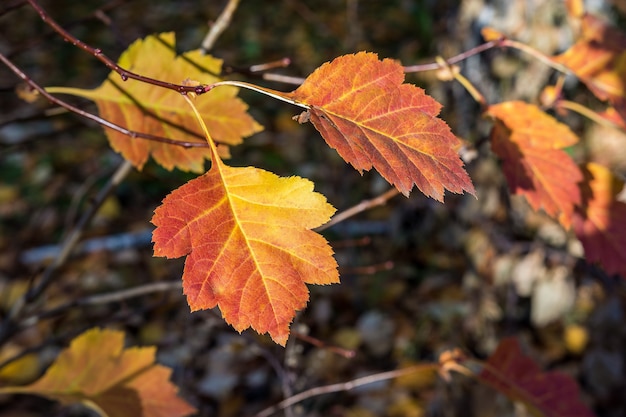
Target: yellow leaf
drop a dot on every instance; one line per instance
(97, 371)
(162, 112)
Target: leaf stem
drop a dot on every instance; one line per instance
(278, 95)
(535, 54)
(586, 112)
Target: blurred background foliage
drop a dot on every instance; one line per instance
(417, 276)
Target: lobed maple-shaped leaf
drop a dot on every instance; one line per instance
(548, 394)
(363, 110)
(598, 59)
(97, 371)
(149, 109)
(600, 222)
(530, 143)
(250, 248)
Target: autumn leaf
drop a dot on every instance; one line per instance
(611, 115)
(530, 143)
(98, 372)
(363, 110)
(598, 59)
(149, 109)
(548, 394)
(599, 222)
(250, 248)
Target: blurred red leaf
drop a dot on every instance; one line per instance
(548, 394)
(529, 142)
(363, 110)
(251, 250)
(600, 223)
(97, 371)
(598, 58)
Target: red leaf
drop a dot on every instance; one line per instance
(528, 141)
(551, 394)
(599, 60)
(600, 224)
(364, 111)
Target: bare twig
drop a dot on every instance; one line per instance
(346, 386)
(112, 297)
(285, 79)
(362, 206)
(112, 65)
(219, 25)
(93, 117)
(346, 353)
(457, 58)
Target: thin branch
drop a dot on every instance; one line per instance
(346, 353)
(364, 205)
(457, 58)
(345, 386)
(93, 117)
(503, 42)
(112, 297)
(9, 326)
(219, 26)
(108, 62)
(286, 79)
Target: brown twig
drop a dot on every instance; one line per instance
(362, 206)
(108, 62)
(457, 58)
(93, 117)
(345, 386)
(98, 299)
(346, 353)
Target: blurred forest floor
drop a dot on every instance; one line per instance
(418, 277)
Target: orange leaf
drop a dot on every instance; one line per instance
(97, 371)
(614, 117)
(599, 60)
(529, 142)
(251, 250)
(549, 394)
(363, 110)
(600, 223)
(491, 34)
(149, 109)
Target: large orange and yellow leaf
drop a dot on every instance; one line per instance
(149, 109)
(250, 248)
(97, 371)
(363, 110)
(600, 223)
(530, 143)
(598, 58)
(547, 394)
